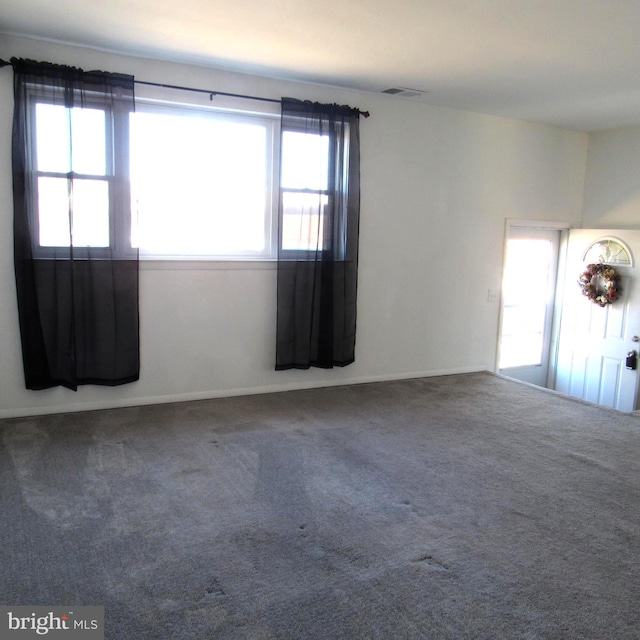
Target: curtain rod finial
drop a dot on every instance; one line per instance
(4, 63)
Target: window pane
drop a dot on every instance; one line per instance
(523, 319)
(199, 184)
(90, 207)
(90, 213)
(56, 151)
(305, 161)
(520, 350)
(53, 212)
(302, 221)
(526, 292)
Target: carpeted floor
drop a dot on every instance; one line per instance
(455, 507)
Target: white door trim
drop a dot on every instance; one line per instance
(555, 225)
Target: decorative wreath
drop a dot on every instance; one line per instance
(600, 283)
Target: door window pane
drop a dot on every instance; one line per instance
(527, 288)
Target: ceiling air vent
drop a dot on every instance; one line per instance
(404, 92)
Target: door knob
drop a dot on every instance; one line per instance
(635, 339)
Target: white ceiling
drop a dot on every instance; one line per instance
(572, 63)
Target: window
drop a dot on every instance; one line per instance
(202, 182)
(304, 177)
(305, 188)
(83, 175)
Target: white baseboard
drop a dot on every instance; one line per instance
(226, 393)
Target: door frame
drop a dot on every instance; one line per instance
(563, 227)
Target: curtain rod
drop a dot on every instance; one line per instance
(4, 63)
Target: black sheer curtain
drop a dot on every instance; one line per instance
(77, 302)
(318, 235)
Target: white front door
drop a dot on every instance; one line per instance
(594, 341)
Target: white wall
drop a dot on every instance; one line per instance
(437, 186)
(612, 187)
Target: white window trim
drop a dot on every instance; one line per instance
(115, 116)
(165, 100)
(244, 260)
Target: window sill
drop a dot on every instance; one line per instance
(155, 264)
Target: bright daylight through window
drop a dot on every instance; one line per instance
(525, 302)
(305, 159)
(203, 182)
(88, 160)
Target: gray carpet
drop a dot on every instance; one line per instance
(455, 507)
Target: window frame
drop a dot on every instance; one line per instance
(302, 253)
(117, 122)
(116, 176)
(271, 122)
